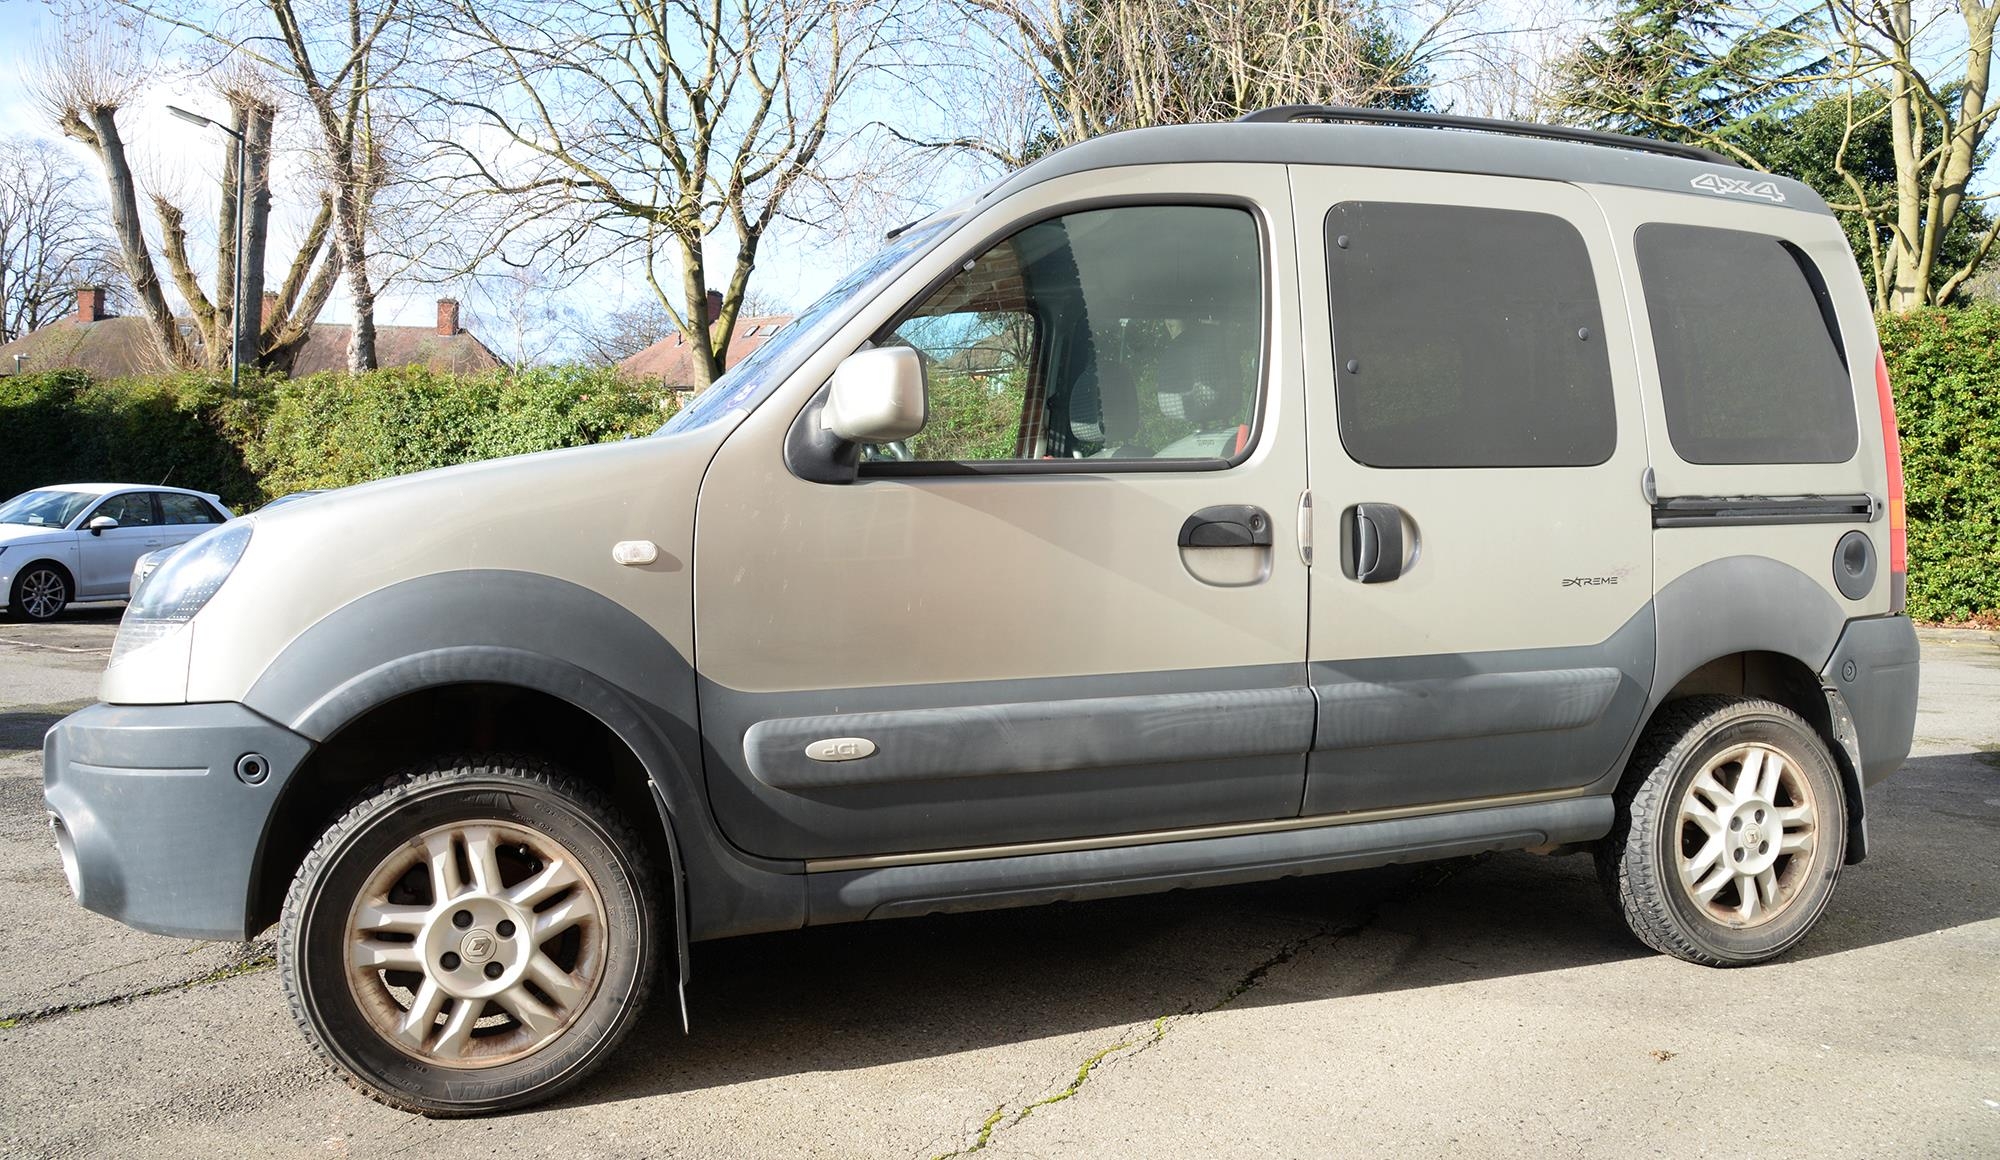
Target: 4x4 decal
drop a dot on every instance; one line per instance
(1718, 184)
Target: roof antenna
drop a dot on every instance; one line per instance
(169, 475)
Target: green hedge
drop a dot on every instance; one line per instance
(185, 430)
(333, 430)
(273, 437)
(1945, 367)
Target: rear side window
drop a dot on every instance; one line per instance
(1751, 364)
(1466, 337)
(187, 509)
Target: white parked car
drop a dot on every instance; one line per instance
(79, 541)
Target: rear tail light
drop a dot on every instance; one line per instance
(1899, 532)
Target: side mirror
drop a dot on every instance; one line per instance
(878, 396)
(98, 525)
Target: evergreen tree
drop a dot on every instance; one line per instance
(1689, 70)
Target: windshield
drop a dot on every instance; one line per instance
(44, 509)
(746, 383)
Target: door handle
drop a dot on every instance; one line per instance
(1371, 542)
(1227, 526)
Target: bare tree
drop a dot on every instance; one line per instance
(1080, 69)
(1939, 120)
(339, 58)
(51, 237)
(83, 83)
(655, 132)
(521, 319)
(615, 335)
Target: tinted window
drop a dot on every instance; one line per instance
(1751, 365)
(1126, 333)
(187, 509)
(1466, 337)
(132, 510)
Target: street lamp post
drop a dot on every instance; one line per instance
(237, 338)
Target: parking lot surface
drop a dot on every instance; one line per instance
(1492, 1006)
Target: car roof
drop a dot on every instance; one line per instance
(1441, 148)
(108, 488)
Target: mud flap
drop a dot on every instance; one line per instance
(678, 893)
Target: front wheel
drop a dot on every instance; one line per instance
(471, 939)
(1731, 832)
(40, 593)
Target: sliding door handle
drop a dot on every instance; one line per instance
(1371, 542)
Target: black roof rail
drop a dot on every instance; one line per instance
(1279, 114)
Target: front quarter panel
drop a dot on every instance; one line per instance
(555, 515)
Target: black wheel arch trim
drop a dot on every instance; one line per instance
(560, 639)
(1740, 604)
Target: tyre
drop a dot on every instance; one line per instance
(40, 593)
(475, 937)
(1731, 832)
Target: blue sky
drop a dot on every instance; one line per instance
(793, 268)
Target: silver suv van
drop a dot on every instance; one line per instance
(1197, 505)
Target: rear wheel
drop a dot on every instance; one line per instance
(1731, 834)
(40, 593)
(474, 938)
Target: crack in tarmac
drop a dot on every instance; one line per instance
(61, 648)
(259, 956)
(1426, 878)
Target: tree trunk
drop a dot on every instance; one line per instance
(101, 134)
(694, 287)
(223, 330)
(352, 235)
(257, 125)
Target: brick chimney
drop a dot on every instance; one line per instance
(714, 306)
(90, 304)
(270, 307)
(447, 317)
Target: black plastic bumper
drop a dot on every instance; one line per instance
(160, 810)
(1875, 669)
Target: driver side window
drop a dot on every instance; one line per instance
(132, 510)
(1126, 333)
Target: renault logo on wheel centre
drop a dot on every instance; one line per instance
(477, 947)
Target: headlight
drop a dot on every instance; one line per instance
(181, 587)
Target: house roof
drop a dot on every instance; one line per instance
(671, 360)
(325, 349)
(116, 347)
(109, 348)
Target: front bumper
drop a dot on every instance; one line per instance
(160, 810)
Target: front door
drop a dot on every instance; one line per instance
(1481, 623)
(1072, 606)
(105, 560)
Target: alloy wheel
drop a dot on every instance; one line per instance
(476, 944)
(43, 593)
(1745, 834)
